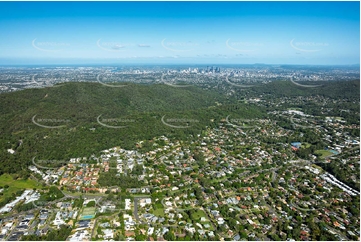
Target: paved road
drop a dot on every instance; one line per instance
(302, 209)
(16, 223)
(274, 175)
(135, 212)
(343, 237)
(299, 125)
(96, 221)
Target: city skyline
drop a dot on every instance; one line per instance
(305, 33)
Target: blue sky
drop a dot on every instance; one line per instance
(180, 32)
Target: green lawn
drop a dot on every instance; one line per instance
(159, 212)
(197, 215)
(140, 195)
(317, 167)
(211, 226)
(16, 185)
(89, 195)
(323, 153)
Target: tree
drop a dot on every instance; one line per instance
(232, 223)
(140, 237)
(243, 235)
(296, 232)
(169, 235)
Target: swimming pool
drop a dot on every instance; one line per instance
(87, 217)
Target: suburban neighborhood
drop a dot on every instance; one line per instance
(223, 185)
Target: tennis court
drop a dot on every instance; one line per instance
(88, 213)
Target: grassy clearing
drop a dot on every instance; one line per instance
(210, 227)
(16, 185)
(88, 195)
(323, 153)
(197, 215)
(159, 212)
(140, 195)
(317, 167)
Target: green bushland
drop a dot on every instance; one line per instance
(77, 106)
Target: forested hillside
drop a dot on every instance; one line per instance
(75, 107)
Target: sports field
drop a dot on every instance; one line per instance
(88, 213)
(323, 153)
